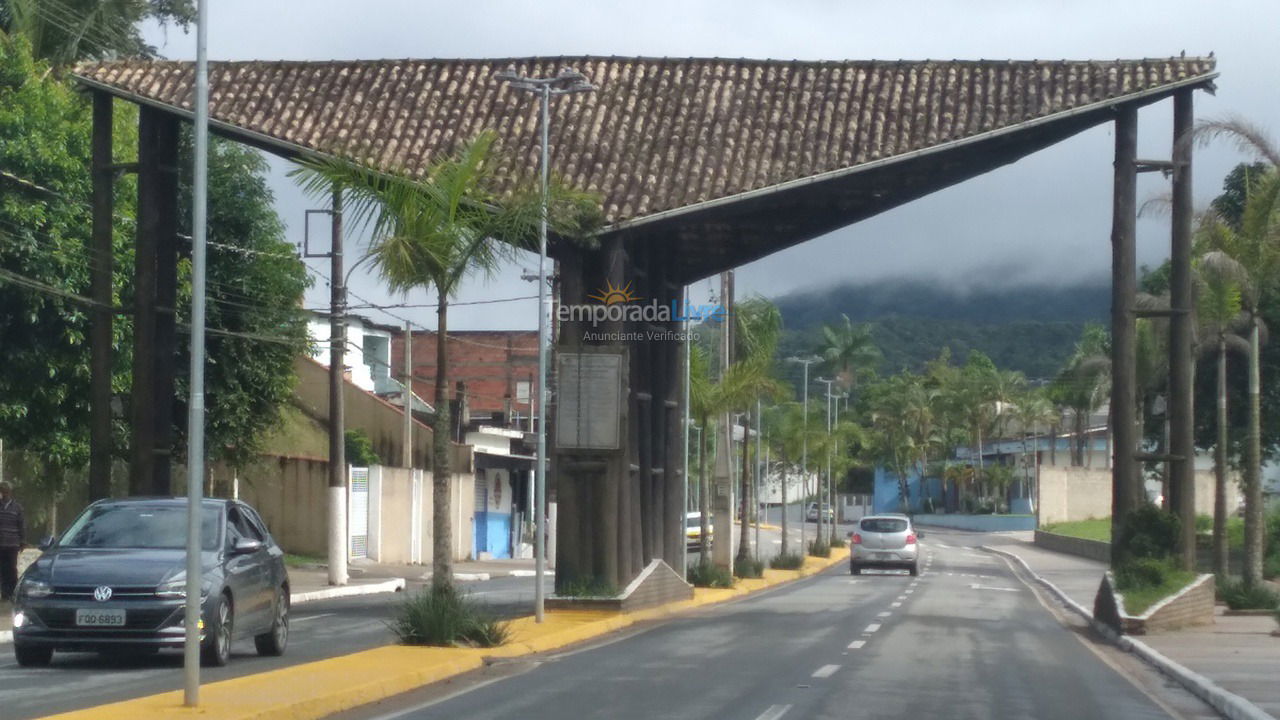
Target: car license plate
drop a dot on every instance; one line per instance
(99, 618)
(882, 556)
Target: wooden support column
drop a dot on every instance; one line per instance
(101, 265)
(166, 300)
(151, 223)
(672, 353)
(1125, 479)
(1181, 418)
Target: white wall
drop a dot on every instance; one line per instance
(368, 349)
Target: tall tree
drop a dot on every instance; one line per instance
(848, 351)
(65, 31)
(430, 232)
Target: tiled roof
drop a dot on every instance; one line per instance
(660, 133)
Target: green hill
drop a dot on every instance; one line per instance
(1026, 327)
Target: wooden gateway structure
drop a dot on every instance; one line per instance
(703, 165)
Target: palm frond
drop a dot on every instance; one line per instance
(1248, 137)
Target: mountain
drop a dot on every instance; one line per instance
(1029, 328)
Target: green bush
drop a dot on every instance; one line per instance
(359, 449)
(749, 568)
(838, 542)
(789, 561)
(817, 548)
(445, 617)
(1150, 533)
(1204, 524)
(1271, 566)
(588, 587)
(709, 575)
(1239, 597)
(1141, 573)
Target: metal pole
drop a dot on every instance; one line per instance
(337, 411)
(195, 421)
(684, 494)
(755, 491)
(1124, 283)
(804, 457)
(1182, 431)
(540, 500)
(408, 397)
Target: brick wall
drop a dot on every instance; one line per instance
(662, 585)
(489, 362)
(1192, 606)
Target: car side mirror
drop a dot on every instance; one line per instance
(246, 546)
(46, 542)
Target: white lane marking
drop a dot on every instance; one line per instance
(895, 604)
(774, 712)
(311, 617)
(907, 592)
(871, 628)
(902, 597)
(852, 582)
(886, 613)
(825, 671)
(976, 586)
(857, 644)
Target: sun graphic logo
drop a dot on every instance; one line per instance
(612, 295)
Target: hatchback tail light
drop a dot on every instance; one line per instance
(911, 538)
(857, 538)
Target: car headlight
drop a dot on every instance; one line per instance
(32, 588)
(176, 588)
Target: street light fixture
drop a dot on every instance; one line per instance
(563, 83)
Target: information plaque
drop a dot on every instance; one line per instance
(589, 401)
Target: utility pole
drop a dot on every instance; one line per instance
(823, 487)
(337, 418)
(408, 396)
(195, 409)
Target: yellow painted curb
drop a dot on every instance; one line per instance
(318, 689)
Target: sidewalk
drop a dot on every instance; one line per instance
(1237, 653)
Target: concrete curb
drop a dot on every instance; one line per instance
(319, 689)
(392, 585)
(1232, 706)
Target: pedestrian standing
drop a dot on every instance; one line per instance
(12, 531)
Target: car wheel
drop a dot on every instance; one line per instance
(32, 655)
(217, 647)
(914, 569)
(855, 570)
(274, 641)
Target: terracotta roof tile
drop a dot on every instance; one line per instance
(659, 134)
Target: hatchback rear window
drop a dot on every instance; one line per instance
(883, 525)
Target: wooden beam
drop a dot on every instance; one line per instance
(101, 266)
(1124, 283)
(165, 226)
(1181, 418)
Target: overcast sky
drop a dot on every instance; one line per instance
(1043, 219)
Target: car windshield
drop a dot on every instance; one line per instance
(140, 526)
(883, 525)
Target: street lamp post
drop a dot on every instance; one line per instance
(563, 83)
(804, 440)
(825, 488)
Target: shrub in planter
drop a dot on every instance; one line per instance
(592, 587)
(1141, 572)
(447, 618)
(709, 575)
(790, 561)
(838, 542)
(1259, 597)
(1150, 533)
(818, 548)
(749, 568)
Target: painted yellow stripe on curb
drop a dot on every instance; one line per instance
(317, 689)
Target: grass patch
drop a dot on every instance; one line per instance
(749, 568)
(444, 617)
(709, 575)
(1238, 597)
(301, 561)
(817, 548)
(838, 542)
(592, 587)
(789, 561)
(1091, 529)
(1144, 582)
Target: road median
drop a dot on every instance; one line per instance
(318, 689)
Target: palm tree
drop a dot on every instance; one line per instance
(702, 408)
(1221, 284)
(848, 351)
(430, 232)
(1031, 412)
(787, 438)
(1083, 383)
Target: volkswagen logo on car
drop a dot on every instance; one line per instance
(102, 593)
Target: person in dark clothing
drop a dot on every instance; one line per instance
(12, 530)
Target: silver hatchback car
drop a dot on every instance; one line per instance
(885, 541)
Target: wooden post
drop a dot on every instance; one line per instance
(102, 265)
(1124, 282)
(166, 300)
(1181, 418)
(152, 137)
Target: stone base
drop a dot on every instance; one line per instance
(1192, 605)
(657, 584)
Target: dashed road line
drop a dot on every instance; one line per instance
(871, 628)
(857, 644)
(886, 613)
(895, 604)
(774, 712)
(825, 671)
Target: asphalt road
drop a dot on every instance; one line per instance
(967, 639)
